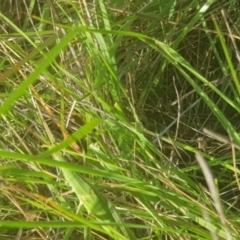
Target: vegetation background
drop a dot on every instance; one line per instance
(119, 119)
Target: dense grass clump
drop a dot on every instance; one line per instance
(119, 119)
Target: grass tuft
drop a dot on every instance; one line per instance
(119, 120)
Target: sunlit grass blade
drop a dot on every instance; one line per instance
(228, 57)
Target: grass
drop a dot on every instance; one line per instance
(119, 120)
